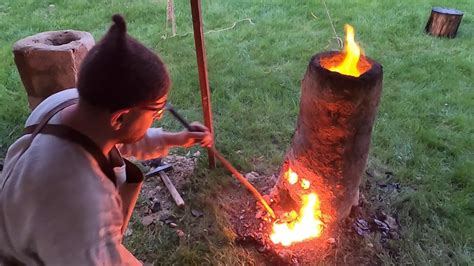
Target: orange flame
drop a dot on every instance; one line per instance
(352, 54)
(304, 225)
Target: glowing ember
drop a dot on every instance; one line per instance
(351, 64)
(306, 226)
(305, 183)
(300, 226)
(291, 176)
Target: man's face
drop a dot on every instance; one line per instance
(140, 118)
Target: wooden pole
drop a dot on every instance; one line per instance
(202, 70)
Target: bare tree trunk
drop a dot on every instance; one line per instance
(332, 137)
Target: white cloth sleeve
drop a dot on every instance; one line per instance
(150, 146)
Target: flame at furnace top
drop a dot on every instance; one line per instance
(351, 64)
(304, 225)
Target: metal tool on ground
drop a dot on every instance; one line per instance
(164, 167)
(161, 170)
(227, 165)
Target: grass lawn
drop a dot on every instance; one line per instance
(424, 130)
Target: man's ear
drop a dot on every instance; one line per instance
(117, 117)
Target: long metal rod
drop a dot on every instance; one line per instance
(245, 182)
(227, 165)
(202, 70)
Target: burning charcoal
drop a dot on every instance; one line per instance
(261, 249)
(259, 214)
(381, 225)
(156, 207)
(241, 217)
(331, 241)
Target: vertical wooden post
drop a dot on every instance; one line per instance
(202, 70)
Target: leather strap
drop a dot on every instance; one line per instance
(70, 134)
(35, 129)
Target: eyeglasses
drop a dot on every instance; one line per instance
(158, 109)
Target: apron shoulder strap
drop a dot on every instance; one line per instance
(72, 135)
(35, 129)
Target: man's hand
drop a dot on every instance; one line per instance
(200, 134)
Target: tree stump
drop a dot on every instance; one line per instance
(443, 22)
(331, 142)
(49, 62)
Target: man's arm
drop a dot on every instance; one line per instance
(152, 145)
(156, 142)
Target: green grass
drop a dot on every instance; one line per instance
(424, 129)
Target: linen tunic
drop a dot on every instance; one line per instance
(57, 207)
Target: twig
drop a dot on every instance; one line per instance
(210, 31)
(339, 40)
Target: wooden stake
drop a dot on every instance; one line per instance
(172, 189)
(202, 69)
(170, 17)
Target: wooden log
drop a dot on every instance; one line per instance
(331, 142)
(443, 22)
(49, 62)
(172, 189)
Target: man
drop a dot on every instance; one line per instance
(66, 192)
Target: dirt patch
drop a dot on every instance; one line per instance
(156, 204)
